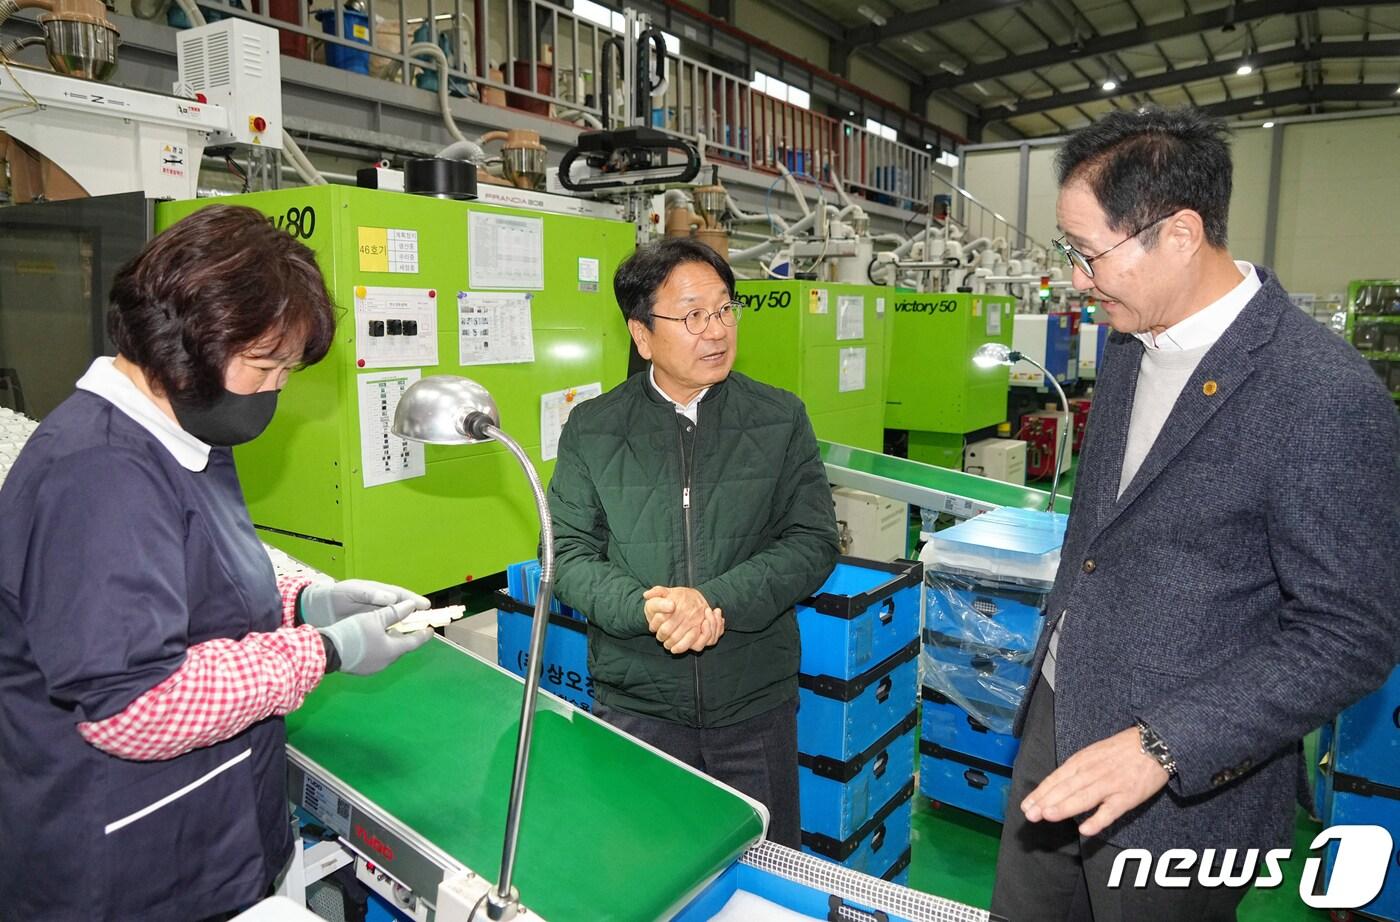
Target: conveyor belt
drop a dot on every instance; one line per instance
(414, 765)
(962, 495)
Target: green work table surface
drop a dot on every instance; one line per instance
(610, 829)
(926, 484)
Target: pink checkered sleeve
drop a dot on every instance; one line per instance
(223, 687)
(289, 588)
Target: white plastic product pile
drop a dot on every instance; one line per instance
(15, 430)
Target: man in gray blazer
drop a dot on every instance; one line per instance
(1231, 570)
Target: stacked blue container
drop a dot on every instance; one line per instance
(1362, 782)
(856, 715)
(565, 668)
(987, 582)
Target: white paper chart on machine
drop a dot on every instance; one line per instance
(384, 457)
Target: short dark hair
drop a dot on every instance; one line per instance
(209, 287)
(1145, 163)
(647, 269)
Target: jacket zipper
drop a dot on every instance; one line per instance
(690, 557)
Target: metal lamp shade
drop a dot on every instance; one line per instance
(990, 355)
(436, 410)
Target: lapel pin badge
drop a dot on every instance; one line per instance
(1209, 388)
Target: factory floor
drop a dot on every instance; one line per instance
(955, 856)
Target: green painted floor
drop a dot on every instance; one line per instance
(955, 855)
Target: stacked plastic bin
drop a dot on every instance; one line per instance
(856, 715)
(1360, 782)
(565, 668)
(987, 580)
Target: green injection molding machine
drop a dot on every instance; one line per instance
(826, 343)
(1373, 327)
(519, 301)
(933, 390)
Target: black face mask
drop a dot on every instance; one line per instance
(231, 419)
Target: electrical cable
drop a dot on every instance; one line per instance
(236, 170)
(18, 107)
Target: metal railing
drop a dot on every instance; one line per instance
(978, 219)
(885, 171)
(803, 141)
(705, 105)
(536, 57)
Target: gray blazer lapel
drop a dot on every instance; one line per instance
(1222, 372)
(1096, 490)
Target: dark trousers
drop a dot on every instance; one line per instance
(1047, 872)
(757, 757)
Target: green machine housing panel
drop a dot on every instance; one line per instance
(933, 385)
(826, 343)
(471, 513)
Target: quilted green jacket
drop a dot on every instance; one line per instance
(758, 535)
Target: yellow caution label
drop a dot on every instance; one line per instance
(374, 249)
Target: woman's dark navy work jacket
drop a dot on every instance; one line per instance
(114, 559)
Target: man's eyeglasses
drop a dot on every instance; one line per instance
(1085, 264)
(698, 320)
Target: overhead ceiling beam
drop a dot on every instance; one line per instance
(1181, 76)
(837, 33)
(940, 15)
(811, 16)
(1303, 96)
(1132, 38)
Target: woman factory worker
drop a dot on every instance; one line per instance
(147, 651)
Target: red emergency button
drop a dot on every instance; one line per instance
(257, 123)
(200, 97)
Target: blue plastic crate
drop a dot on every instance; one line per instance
(806, 897)
(355, 27)
(1322, 781)
(953, 728)
(963, 781)
(863, 613)
(878, 843)
(565, 670)
(975, 672)
(1359, 802)
(1000, 614)
(838, 797)
(841, 718)
(1367, 741)
(523, 584)
(898, 872)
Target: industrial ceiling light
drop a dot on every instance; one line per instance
(952, 67)
(990, 355)
(1268, 125)
(451, 410)
(914, 43)
(1244, 70)
(1110, 85)
(871, 15)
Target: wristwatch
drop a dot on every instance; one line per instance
(1154, 746)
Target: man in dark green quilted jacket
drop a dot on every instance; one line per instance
(691, 512)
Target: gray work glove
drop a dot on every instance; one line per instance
(323, 604)
(362, 643)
